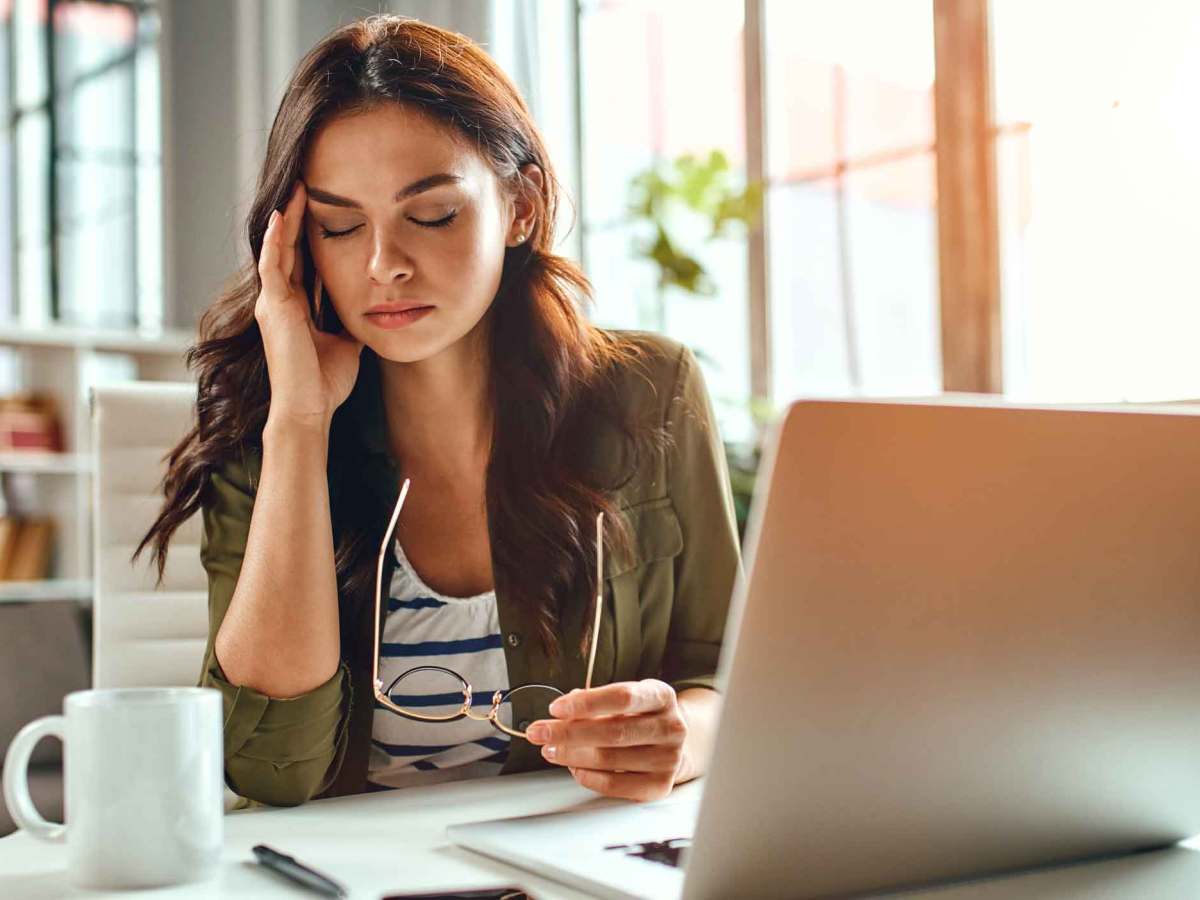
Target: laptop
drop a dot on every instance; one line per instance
(968, 643)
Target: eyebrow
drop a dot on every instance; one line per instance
(420, 185)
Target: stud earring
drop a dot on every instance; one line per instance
(520, 238)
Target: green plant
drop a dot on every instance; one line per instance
(705, 188)
(660, 197)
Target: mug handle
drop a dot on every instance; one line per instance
(16, 779)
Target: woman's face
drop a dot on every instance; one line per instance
(401, 213)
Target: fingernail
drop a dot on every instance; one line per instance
(274, 216)
(560, 707)
(537, 733)
(549, 751)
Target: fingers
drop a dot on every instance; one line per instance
(629, 698)
(268, 257)
(293, 219)
(278, 259)
(615, 731)
(625, 785)
(621, 740)
(660, 758)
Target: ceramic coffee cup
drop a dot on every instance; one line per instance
(142, 770)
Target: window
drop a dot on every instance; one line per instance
(1095, 141)
(1098, 188)
(81, 181)
(852, 208)
(659, 81)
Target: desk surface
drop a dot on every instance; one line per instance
(395, 842)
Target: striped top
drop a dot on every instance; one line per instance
(424, 628)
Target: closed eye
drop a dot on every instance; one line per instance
(439, 223)
(326, 233)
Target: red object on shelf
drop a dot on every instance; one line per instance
(29, 422)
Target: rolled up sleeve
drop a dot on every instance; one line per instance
(707, 566)
(279, 751)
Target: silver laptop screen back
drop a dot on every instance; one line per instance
(970, 642)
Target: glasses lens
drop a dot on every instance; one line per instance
(435, 695)
(534, 701)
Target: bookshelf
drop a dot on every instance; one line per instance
(79, 589)
(62, 463)
(65, 362)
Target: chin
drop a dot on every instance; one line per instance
(404, 349)
(409, 346)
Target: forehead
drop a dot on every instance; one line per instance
(387, 145)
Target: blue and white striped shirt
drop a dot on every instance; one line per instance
(425, 628)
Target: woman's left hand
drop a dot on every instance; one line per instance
(621, 740)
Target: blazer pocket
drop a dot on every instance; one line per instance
(635, 579)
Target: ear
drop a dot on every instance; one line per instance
(524, 209)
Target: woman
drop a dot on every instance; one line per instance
(406, 319)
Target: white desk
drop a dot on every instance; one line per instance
(395, 842)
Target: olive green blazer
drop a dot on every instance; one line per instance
(664, 607)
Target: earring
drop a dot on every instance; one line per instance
(317, 291)
(520, 238)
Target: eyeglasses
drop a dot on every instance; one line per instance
(435, 686)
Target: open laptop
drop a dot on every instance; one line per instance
(968, 643)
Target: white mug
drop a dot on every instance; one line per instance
(144, 786)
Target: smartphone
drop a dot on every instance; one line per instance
(502, 893)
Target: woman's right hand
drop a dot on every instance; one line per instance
(312, 372)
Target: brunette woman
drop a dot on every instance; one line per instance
(405, 319)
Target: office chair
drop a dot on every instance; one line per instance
(143, 635)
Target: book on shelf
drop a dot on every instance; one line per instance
(25, 547)
(8, 541)
(29, 421)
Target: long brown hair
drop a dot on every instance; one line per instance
(551, 376)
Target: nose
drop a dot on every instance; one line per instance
(388, 261)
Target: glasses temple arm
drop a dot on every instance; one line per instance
(379, 581)
(599, 598)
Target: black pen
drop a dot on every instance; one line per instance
(297, 872)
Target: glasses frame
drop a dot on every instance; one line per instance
(499, 697)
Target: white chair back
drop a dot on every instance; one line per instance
(143, 635)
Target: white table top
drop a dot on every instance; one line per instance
(393, 842)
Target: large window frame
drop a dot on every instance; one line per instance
(56, 154)
(967, 218)
(968, 254)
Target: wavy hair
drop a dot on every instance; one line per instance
(551, 369)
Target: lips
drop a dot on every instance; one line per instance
(406, 316)
(386, 308)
